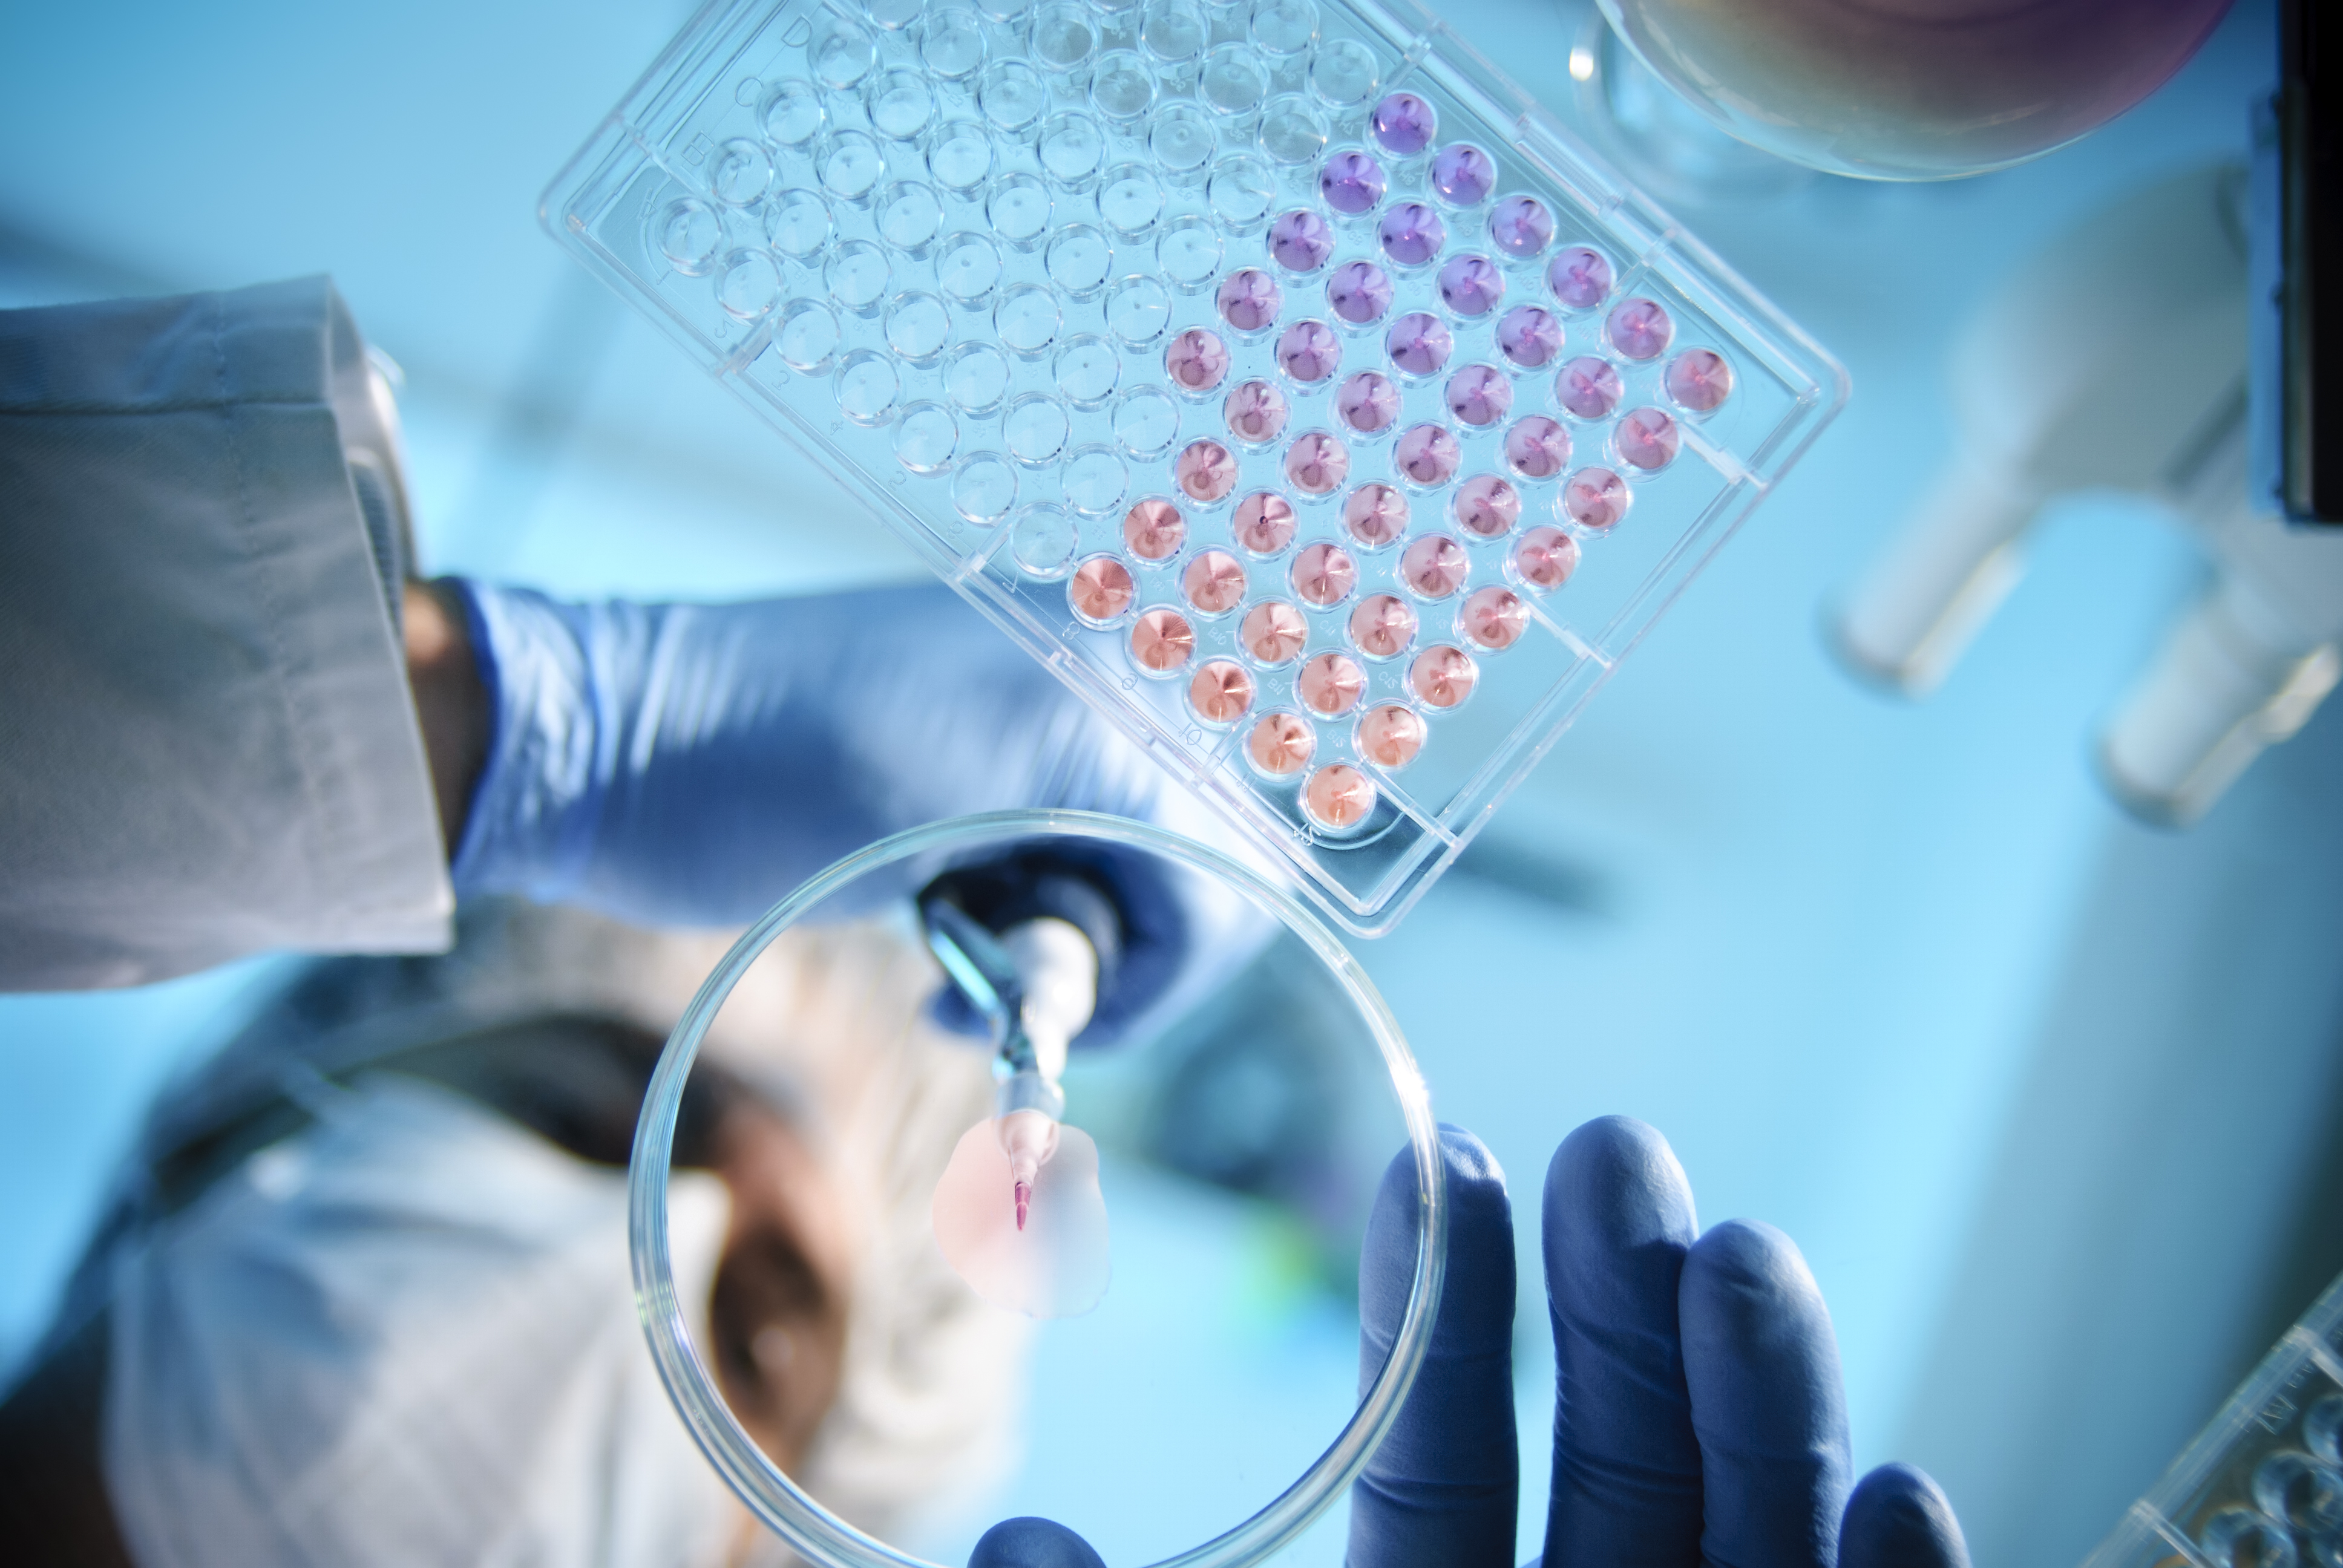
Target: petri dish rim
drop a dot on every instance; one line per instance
(812, 1530)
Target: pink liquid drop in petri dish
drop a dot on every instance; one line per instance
(1330, 683)
(1382, 626)
(1351, 183)
(1434, 566)
(1588, 388)
(1411, 234)
(1480, 396)
(1196, 360)
(1282, 744)
(1368, 402)
(1647, 440)
(1520, 226)
(1256, 412)
(1309, 351)
(1427, 454)
(1249, 299)
(1594, 499)
(1700, 380)
(1376, 514)
(1317, 464)
(1640, 329)
(1404, 123)
(1487, 506)
(1301, 241)
(1264, 523)
(1325, 574)
(1471, 285)
(1220, 691)
(1359, 292)
(1213, 582)
(1390, 735)
(1153, 531)
(1161, 640)
(1420, 342)
(1338, 796)
(1494, 619)
(1463, 175)
(1274, 631)
(1537, 447)
(1529, 336)
(1205, 471)
(1443, 675)
(1100, 591)
(1545, 557)
(1580, 277)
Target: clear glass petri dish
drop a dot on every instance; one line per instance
(816, 1534)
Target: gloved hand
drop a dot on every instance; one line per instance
(1698, 1417)
(690, 764)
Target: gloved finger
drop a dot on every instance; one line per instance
(1626, 1466)
(1445, 1485)
(1899, 1518)
(1762, 1364)
(1032, 1544)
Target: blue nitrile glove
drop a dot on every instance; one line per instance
(688, 765)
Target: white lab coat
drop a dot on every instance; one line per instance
(208, 747)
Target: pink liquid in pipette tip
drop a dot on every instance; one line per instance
(1025, 1232)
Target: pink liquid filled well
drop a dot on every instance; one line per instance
(1537, 447)
(1463, 175)
(1359, 292)
(1640, 329)
(1391, 735)
(1382, 626)
(1329, 684)
(1368, 402)
(1220, 691)
(1471, 285)
(1163, 641)
(1263, 523)
(1100, 591)
(1205, 471)
(1338, 796)
(1434, 566)
(1404, 124)
(1427, 454)
(1588, 388)
(1300, 240)
(1375, 514)
(1213, 582)
(1545, 557)
(1647, 440)
(1153, 529)
(1256, 412)
(1317, 464)
(1520, 226)
(1443, 676)
(1487, 506)
(1282, 744)
(1196, 360)
(1494, 619)
(1351, 183)
(1700, 380)
(1249, 299)
(1480, 396)
(1580, 279)
(1323, 574)
(1529, 336)
(1411, 234)
(1420, 342)
(1595, 499)
(1057, 1264)
(1308, 352)
(1274, 631)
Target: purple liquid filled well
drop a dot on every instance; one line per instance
(1427, 454)
(1529, 336)
(1351, 183)
(1301, 241)
(1309, 351)
(1317, 464)
(1463, 175)
(1545, 557)
(1640, 329)
(1595, 499)
(1700, 380)
(1647, 440)
(1249, 299)
(1256, 412)
(1587, 387)
(1494, 619)
(1375, 514)
(1487, 506)
(1368, 403)
(1471, 285)
(1419, 343)
(1205, 471)
(1520, 226)
(1411, 232)
(1404, 124)
(1359, 292)
(1196, 360)
(1580, 277)
(1537, 447)
(1480, 396)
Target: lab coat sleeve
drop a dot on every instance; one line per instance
(208, 747)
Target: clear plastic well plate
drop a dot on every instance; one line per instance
(1278, 374)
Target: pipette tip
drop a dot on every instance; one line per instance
(1024, 1202)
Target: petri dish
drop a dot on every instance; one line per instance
(840, 52)
(1367, 1035)
(850, 165)
(1285, 28)
(1013, 96)
(1234, 84)
(1240, 191)
(1063, 35)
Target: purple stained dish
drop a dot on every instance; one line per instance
(1351, 183)
(1700, 380)
(1359, 292)
(1309, 351)
(1435, 566)
(1595, 499)
(1529, 336)
(1196, 360)
(1544, 558)
(1520, 226)
(1368, 402)
(1376, 514)
(1404, 124)
(1640, 329)
(1249, 299)
(1420, 342)
(1427, 454)
(1470, 285)
(1537, 447)
(1580, 277)
(1411, 234)
(1256, 412)
(1646, 439)
(1463, 175)
(1317, 464)
(1587, 387)
(1480, 396)
(1264, 523)
(1487, 506)
(1205, 471)
(1300, 240)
